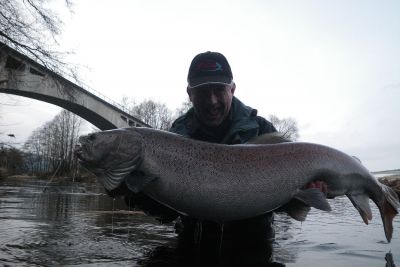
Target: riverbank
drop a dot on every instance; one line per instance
(80, 178)
(393, 181)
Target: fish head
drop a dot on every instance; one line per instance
(110, 155)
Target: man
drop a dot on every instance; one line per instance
(218, 116)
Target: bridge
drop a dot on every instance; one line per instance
(20, 75)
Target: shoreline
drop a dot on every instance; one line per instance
(392, 181)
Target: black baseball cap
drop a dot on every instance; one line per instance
(209, 67)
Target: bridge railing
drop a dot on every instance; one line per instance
(105, 98)
(113, 103)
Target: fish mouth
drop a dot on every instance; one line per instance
(84, 158)
(79, 152)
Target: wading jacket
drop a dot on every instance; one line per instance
(244, 125)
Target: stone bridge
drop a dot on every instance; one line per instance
(20, 75)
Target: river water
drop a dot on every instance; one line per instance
(76, 224)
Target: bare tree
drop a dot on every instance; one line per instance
(50, 148)
(153, 113)
(11, 161)
(286, 126)
(32, 29)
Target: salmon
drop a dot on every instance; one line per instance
(222, 183)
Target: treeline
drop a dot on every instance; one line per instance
(11, 160)
(49, 150)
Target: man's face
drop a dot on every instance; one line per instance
(212, 102)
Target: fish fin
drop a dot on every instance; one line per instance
(358, 160)
(270, 138)
(388, 210)
(137, 180)
(391, 196)
(361, 203)
(313, 197)
(301, 203)
(296, 209)
(387, 214)
(108, 181)
(111, 178)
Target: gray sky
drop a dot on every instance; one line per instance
(332, 65)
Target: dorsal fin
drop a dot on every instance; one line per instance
(270, 138)
(354, 157)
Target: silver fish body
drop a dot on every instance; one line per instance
(229, 182)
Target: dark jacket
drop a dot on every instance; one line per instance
(244, 125)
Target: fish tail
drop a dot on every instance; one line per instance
(388, 207)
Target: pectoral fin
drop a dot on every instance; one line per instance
(302, 202)
(313, 197)
(137, 180)
(296, 209)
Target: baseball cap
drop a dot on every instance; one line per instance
(209, 67)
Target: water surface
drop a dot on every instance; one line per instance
(76, 224)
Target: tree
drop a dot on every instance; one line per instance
(156, 114)
(286, 126)
(32, 29)
(50, 148)
(11, 160)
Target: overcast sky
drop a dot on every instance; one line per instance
(334, 66)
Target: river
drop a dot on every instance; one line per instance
(76, 224)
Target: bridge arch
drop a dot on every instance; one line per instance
(20, 75)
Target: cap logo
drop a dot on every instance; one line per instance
(209, 65)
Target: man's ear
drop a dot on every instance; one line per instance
(189, 92)
(233, 88)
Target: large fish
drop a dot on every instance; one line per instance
(230, 182)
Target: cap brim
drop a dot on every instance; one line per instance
(196, 82)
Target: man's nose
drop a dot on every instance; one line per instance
(212, 97)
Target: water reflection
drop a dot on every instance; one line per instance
(175, 255)
(76, 224)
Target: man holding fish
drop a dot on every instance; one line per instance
(225, 194)
(219, 117)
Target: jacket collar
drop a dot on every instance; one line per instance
(242, 123)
